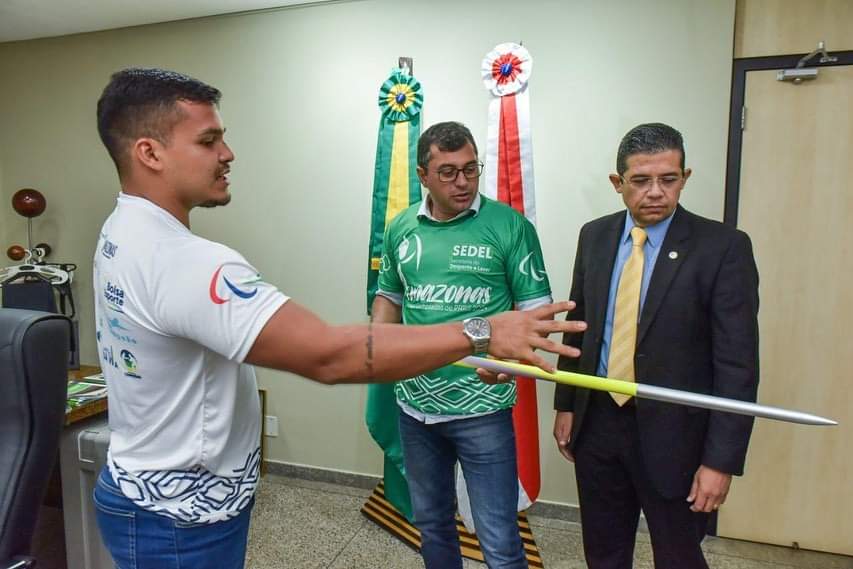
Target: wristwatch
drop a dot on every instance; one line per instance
(479, 332)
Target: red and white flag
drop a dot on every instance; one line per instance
(509, 179)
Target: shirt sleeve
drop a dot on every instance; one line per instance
(534, 303)
(214, 297)
(394, 297)
(526, 266)
(390, 283)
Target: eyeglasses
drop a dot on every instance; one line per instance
(645, 183)
(471, 171)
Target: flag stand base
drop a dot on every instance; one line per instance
(382, 513)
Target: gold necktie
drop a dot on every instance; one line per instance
(623, 340)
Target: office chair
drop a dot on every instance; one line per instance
(33, 385)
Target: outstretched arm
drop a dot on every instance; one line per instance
(296, 340)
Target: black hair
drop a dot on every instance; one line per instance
(142, 103)
(649, 138)
(447, 136)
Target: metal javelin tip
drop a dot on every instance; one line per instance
(646, 391)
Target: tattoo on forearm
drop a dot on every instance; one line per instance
(369, 362)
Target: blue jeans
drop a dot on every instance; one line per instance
(485, 448)
(139, 539)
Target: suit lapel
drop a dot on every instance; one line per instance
(605, 247)
(670, 258)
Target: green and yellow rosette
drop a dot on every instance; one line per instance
(400, 97)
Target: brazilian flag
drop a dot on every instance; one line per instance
(395, 187)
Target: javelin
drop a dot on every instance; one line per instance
(643, 391)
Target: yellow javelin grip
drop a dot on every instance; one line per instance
(565, 377)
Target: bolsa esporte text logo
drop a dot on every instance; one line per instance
(114, 296)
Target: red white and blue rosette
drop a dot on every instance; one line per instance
(506, 69)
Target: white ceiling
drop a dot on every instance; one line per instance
(28, 19)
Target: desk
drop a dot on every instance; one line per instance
(90, 409)
(53, 496)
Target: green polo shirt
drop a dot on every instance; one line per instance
(478, 264)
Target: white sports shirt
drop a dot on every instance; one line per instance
(176, 315)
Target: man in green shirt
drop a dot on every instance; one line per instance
(456, 255)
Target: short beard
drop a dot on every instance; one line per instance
(216, 203)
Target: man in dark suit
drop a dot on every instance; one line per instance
(670, 299)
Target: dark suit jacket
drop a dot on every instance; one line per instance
(698, 331)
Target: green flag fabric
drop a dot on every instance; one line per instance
(395, 187)
(395, 180)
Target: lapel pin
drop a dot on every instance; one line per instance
(673, 254)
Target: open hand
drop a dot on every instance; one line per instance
(516, 334)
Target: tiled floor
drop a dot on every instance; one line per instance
(303, 524)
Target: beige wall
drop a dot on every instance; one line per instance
(299, 102)
(785, 27)
(6, 214)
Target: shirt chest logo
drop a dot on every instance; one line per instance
(471, 251)
(410, 250)
(471, 257)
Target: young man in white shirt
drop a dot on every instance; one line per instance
(180, 317)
